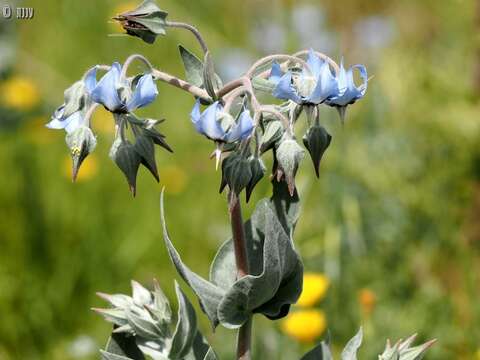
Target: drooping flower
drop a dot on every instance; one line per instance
(68, 123)
(120, 95)
(220, 126)
(348, 92)
(314, 85)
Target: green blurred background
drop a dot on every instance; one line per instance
(393, 222)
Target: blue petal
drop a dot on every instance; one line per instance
(91, 79)
(351, 93)
(276, 73)
(364, 76)
(69, 124)
(145, 92)
(285, 91)
(243, 129)
(195, 116)
(326, 88)
(105, 92)
(209, 126)
(314, 63)
(74, 121)
(342, 78)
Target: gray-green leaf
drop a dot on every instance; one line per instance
(193, 67)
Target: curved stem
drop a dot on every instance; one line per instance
(281, 57)
(192, 29)
(131, 59)
(181, 84)
(322, 56)
(89, 113)
(230, 98)
(280, 116)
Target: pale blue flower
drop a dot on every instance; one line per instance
(117, 94)
(219, 126)
(348, 91)
(70, 123)
(310, 86)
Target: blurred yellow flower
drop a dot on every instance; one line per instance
(477, 355)
(174, 179)
(103, 122)
(367, 300)
(20, 93)
(88, 170)
(36, 132)
(315, 286)
(305, 325)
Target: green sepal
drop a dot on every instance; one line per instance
(76, 98)
(316, 141)
(288, 156)
(144, 146)
(146, 21)
(81, 143)
(236, 173)
(271, 135)
(123, 153)
(257, 169)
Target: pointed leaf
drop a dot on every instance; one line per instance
(350, 350)
(186, 329)
(193, 67)
(321, 352)
(209, 295)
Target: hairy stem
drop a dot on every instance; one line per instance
(280, 57)
(193, 30)
(244, 341)
(131, 59)
(181, 84)
(240, 248)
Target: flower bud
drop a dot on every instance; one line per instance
(147, 21)
(81, 143)
(317, 140)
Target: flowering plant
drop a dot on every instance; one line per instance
(258, 270)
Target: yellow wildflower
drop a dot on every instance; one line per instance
(315, 286)
(19, 93)
(305, 325)
(477, 355)
(87, 171)
(174, 179)
(367, 300)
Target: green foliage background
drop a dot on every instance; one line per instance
(395, 211)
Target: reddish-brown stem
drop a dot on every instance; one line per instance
(241, 258)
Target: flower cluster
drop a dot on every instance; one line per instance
(121, 96)
(317, 84)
